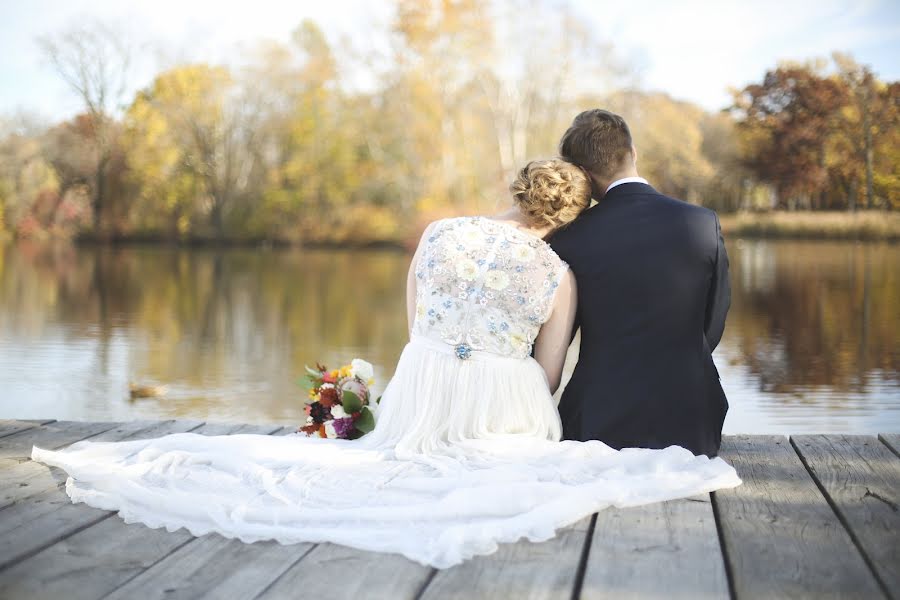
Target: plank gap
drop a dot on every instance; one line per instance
(141, 572)
(32, 425)
(37, 549)
(887, 442)
(582, 562)
(427, 581)
(856, 541)
(729, 574)
(286, 571)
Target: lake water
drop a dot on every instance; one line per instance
(811, 342)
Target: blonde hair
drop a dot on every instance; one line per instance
(551, 192)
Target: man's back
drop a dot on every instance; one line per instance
(653, 293)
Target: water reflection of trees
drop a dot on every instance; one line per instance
(237, 326)
(212, 320)
(809, 314)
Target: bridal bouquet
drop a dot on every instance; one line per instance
(338, 401)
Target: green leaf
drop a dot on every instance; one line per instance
(378, 400)
(366, 420)
(305, 383)
(351, 402)
(313, 372)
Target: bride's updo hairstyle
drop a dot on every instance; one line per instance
(551, 192)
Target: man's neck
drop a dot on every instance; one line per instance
(603, 185)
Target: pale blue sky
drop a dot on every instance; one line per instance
(692, 49)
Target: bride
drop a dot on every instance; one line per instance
(466, 451)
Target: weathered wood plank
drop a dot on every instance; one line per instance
(782, 540)
(892, 440)
(545, 570)
(233, 428)
(90, 563)
(40, 520)
(52, 435)
(862, 478)
(362, 575)
(780, 535)
(102, 557)
(286, 430)
(215, 567)
(662, 550)
(11, 426)
(264, 429)
(224, 428)
(21, 477)
(212, 565)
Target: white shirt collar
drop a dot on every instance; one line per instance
(625, 180)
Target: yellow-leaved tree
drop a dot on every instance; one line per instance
(195, 155)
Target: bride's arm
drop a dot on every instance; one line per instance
(556, 333)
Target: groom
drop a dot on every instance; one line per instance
(653, 293)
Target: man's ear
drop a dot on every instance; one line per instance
(634, 154)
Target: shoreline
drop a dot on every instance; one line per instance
(869, 225)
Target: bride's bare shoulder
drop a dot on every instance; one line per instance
(439, 224)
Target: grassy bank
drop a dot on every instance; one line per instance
(235, 242)
(862, 225)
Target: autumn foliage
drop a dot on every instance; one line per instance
(290, 147)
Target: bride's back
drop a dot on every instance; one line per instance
(482, 284)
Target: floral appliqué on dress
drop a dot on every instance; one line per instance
(484, 285)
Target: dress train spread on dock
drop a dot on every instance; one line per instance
(465, 453)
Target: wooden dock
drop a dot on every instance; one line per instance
(816, 517)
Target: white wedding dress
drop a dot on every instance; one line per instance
(465, 453)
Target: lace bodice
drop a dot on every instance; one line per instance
(484, 285)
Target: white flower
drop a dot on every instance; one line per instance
(337, 411)
(523, 253)
(309, 420)
(326, 386)
(470, 235)
(362, 369)
(453, 254)
(496, 280)
(518, 343)
(329, 429)
(467, 269)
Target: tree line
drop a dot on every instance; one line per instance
(287, 147)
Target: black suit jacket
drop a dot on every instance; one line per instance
(653, 293)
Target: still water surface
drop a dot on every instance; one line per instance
(811, 343)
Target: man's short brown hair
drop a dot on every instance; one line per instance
(598, 141)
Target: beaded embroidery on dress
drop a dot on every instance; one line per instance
(465, 453)
(485, 285)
